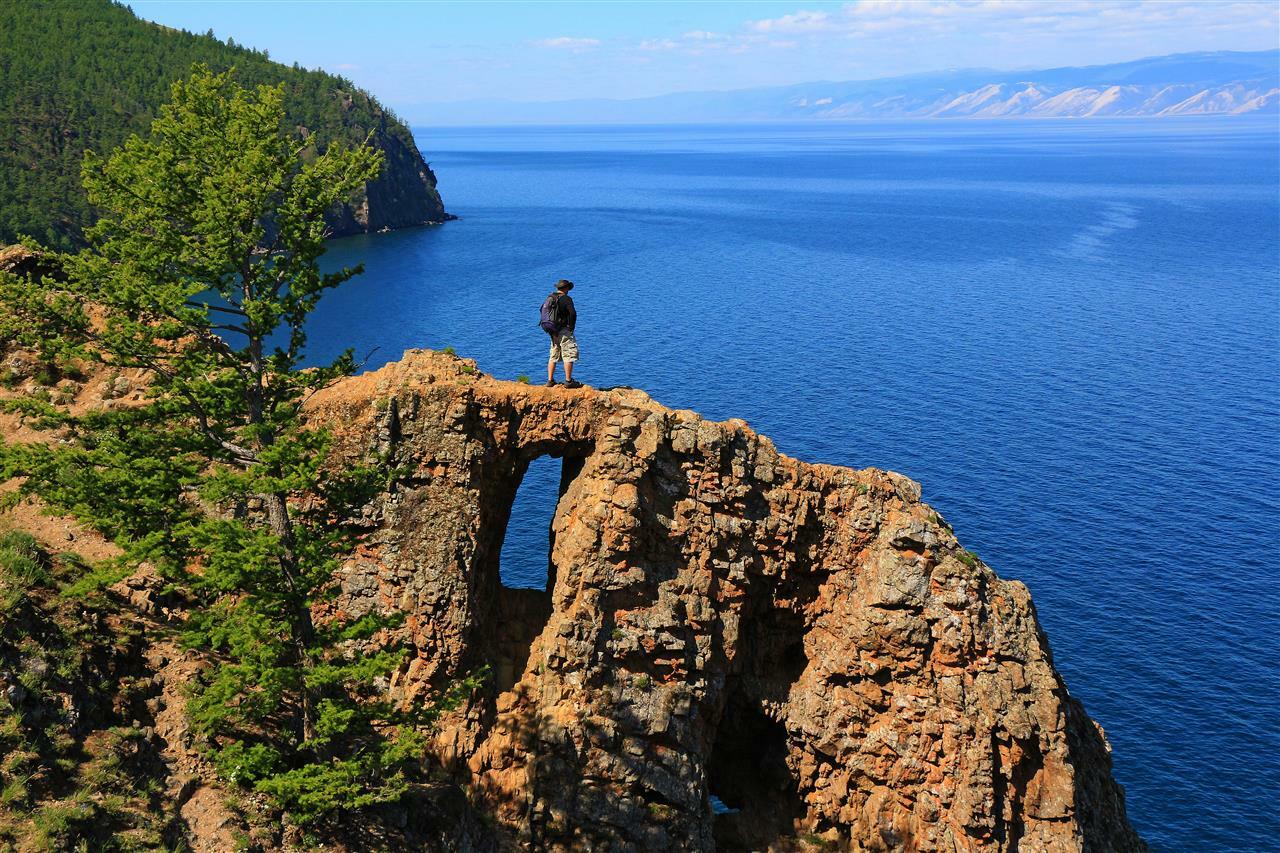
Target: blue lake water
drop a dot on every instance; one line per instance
(1069, 332)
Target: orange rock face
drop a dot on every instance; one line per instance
(807, 643)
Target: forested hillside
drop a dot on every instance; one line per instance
(80, 75)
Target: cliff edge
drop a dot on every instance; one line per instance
(404, 194)
(806, 644)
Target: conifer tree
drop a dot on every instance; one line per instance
(201, 272)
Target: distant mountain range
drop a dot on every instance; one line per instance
(1221, 83)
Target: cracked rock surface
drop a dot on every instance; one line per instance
(809, 644)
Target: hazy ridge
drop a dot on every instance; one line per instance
(1219, 83)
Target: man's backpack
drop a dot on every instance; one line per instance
(554, 314)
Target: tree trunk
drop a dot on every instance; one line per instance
(303, 628)
(277, 504)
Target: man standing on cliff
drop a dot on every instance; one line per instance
(558, 318)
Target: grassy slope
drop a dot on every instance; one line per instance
(76, 770)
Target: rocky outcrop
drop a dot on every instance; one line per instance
(25, 262)
(809, 645)
(404, 193)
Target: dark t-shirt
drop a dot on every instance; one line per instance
(572, 313)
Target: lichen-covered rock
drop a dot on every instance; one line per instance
(809, 644)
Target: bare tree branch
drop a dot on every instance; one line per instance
(234, 311)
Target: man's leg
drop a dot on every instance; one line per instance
(551, 371)
(569, 354)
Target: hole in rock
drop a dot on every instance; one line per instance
(755, 800)
(525, 561)
(718, 807)
(525, 570)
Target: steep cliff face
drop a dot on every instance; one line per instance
(808, 644)
(404, 194)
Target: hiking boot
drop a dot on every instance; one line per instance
(573, 383)
(551, 383)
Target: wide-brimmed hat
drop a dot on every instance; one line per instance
(564, 284)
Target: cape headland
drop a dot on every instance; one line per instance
(735, 650)
(85, 74)
(809, 644)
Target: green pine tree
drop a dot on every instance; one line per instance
(201, 272)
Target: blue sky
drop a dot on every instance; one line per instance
(412, 53)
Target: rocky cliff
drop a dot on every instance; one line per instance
(404, 193)
(808, 644)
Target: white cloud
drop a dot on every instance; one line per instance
(1107, 17)
(800, 22)
(703, 35)
(864, 39)
(699, 43)
(567, 43)
(347, 66)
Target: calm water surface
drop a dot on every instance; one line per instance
(1068, 332)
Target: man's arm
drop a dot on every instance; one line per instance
(573, 314)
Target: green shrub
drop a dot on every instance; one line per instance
(47, 374)
(15, 793)
(449, 351)
(22, 558)
(523, 379)
(315, 791)
(244, 764)
(84, 582)
(969, 558)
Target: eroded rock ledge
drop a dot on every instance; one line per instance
(808, 643)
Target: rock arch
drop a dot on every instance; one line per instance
(710, 593)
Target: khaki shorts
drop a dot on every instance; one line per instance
(564, 347)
